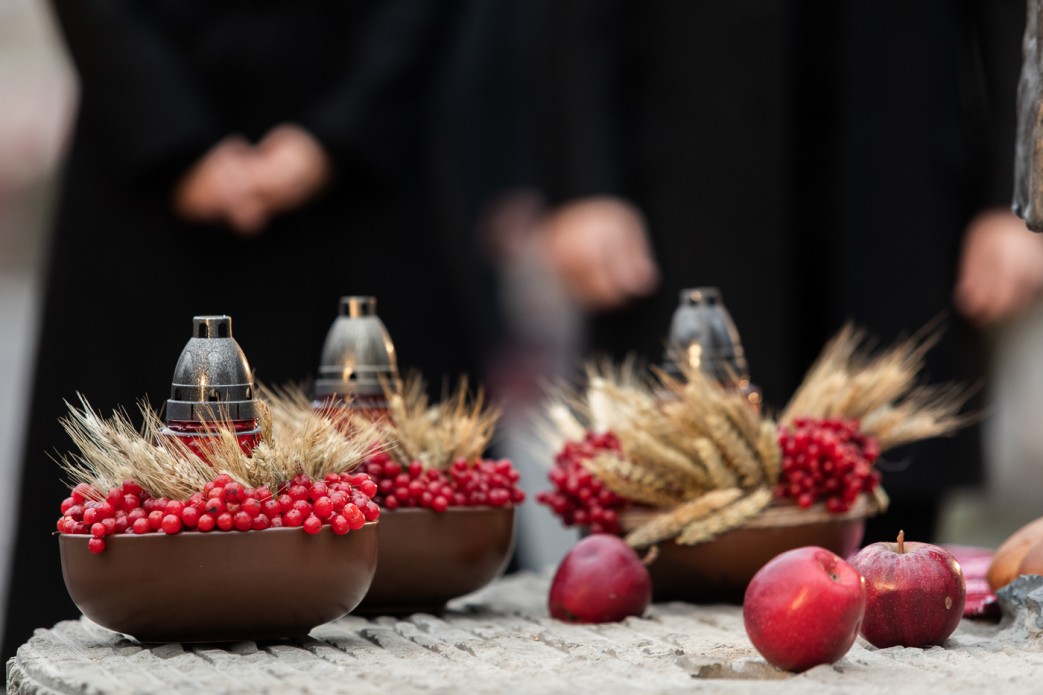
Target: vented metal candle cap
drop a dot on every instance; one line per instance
(212, 380)
(358, 357)
(703, 334)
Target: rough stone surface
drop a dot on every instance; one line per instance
(1022, 604)
(502, 640)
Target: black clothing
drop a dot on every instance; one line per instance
(683, 107)
(162, 81)
(925, 103)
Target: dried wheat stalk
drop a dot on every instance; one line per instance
(880, 390)
(721, 475)
(634, 482)
(111, 450)
(768, 451)
(727, 518)
(669, 523)
(735, 450)
(459, 426)
(659, 457)
(294, 439)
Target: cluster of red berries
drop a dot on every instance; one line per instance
(342, 501)
(579, 498)
(464, 484)
(826, 459)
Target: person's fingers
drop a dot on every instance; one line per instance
(248, 217)
(201, 194)
(582, 269)
(971, 296)
(1001, 268)
(291, 167)
(601, 253)
(637, 272)
(604, 289)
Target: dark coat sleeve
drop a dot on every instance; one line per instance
(588, 68)
(377, 91)
(1000, 25)
(137, 95)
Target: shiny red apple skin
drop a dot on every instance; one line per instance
(804, 608)
(914, 598)
(600, 580)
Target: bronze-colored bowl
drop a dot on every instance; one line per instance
(427, 558)
(218, 587)
(720, 569)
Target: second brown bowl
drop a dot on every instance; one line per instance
(219, 587)
(427, 558)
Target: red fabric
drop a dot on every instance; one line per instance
(981, 602)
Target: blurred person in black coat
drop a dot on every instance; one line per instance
(670, 144)
(258, 159)
(817, 161)
(914, 198)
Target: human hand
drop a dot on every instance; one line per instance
(1001, 268)
(600, 249)
(220, 188)
(244, 185)
(290, 167)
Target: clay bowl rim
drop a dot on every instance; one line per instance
(459, 508)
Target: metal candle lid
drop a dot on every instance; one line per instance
(703, 334)
(358, 357)
(212, 380)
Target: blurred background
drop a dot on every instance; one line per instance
(522, 184)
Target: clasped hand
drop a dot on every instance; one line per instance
(244, 185)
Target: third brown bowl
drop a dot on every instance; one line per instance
(720, 569)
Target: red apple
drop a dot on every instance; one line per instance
(804, 608)
(600, 580)
(914, 593)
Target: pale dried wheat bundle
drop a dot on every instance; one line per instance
(315, 442)
(827, 377)
(726, 518)
(720, 474)
(460, 426)
(669, 523)
(111, 451)
(879, 390)
(737, 451)
(924, 413)
(294, 439)
(689, 447)
(659, 422)
(701, 407)
(769, 452)
(659, 457)
(633, 482)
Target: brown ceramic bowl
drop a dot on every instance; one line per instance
(427, 558)
(720, 569)
(218, 587)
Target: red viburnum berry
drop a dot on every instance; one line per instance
(312, 525)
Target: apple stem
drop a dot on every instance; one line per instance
(901, 542)
(650, 556)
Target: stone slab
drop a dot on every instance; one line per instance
(502, 640)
